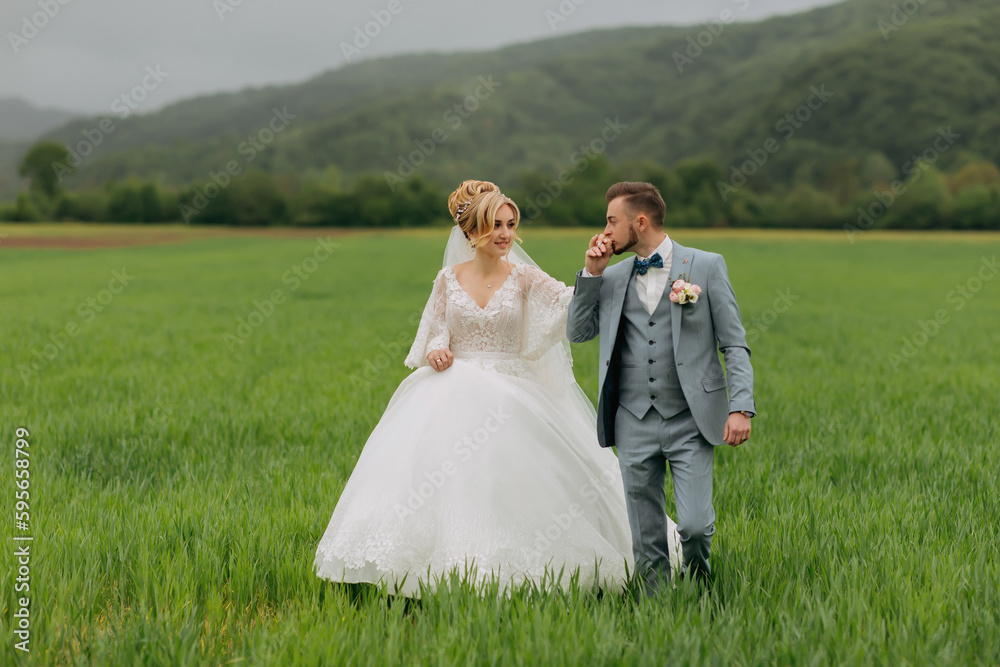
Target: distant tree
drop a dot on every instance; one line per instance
(646, 171)
(977, 207)
(876, 170)
(684, 216)
(255, 200)
(806, 206)
(44, 164)
(343, 209)
(82, 205)
(149, 203)
(747, 208)
(924, 205)
(124, 203)
(975, 173)
(30, 207)
(311, 205)
(698, 175)
(418, 203)
(374, 201)
(842, 180)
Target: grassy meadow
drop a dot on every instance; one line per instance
(186, 455)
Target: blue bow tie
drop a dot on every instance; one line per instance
(643, 265)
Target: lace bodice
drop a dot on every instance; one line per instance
(525, 319)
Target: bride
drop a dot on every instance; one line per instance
(486, 460)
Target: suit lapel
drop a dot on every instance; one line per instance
(618, 303)
(681, 262)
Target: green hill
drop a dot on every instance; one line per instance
(888, 82)
(22, 122)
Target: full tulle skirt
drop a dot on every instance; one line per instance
(485, 474)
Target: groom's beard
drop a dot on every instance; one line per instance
(633, 238)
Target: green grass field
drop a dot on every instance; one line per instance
(183, 467)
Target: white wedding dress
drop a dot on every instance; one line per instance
(490, 468)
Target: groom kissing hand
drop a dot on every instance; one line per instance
(662, 317)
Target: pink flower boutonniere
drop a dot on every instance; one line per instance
(682, 292)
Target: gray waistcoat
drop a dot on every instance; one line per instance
(648, 370)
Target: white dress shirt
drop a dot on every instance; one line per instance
(652, 284)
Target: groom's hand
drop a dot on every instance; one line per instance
(440, 359)
(737, 429)
(598, 255)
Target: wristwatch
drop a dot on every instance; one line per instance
(748, 415)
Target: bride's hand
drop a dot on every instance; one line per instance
(440, 359)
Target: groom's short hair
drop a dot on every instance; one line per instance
(640, 198)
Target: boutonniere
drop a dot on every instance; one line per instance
(682, 291)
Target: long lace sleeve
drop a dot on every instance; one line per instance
(546, 304)
(432, 334)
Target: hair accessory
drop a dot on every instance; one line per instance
(461, 209)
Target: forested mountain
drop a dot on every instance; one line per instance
(716, 90)
(811, 112)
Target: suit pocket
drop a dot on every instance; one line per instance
(714, 383)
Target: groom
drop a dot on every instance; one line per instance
(663, 392)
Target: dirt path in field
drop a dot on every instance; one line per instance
(77, 236)
(51, 236)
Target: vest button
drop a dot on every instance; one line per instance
(652, 323)
(652, 380)
(651, 362)
(652, 342)
(652, 398)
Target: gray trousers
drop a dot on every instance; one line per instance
(645, 446)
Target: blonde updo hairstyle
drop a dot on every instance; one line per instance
(479, 202)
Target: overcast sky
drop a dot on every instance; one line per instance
(92, 51)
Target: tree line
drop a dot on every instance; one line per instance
(855, 194)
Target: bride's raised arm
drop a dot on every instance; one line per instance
(546, 303)
(432, 334)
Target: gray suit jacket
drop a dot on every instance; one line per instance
(699, 331)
